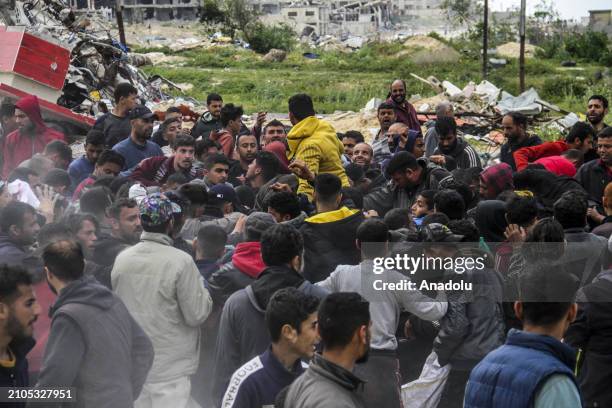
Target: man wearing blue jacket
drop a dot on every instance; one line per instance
(534, 368)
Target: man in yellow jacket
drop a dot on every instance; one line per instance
(314, 142)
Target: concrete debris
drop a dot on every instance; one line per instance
(98, 61)
(275, 55)
(525, 103)
(513, 50)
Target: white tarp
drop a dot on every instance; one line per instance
(525, 103)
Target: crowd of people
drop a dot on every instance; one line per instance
(228, 266)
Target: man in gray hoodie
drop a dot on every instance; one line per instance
(94, 344)
(385, 307)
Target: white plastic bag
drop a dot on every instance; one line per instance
(426, 391)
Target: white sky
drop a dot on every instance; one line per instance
(568, 9)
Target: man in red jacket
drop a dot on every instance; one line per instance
(155, 171)
(31, 136)
(580, 137)
(404, 110)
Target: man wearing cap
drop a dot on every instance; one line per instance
(163, 290)
(246, 264)
(138, 147)
(409, 176)
(221, 208)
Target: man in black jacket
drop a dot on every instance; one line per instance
(596, 174)
(590, 332)
(18, 312)
(453, 152)
(409, 176)
(329, 236)
(94, 344)
(515, 130)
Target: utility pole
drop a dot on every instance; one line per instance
(485, 39)
(119, 15)
(522, 29)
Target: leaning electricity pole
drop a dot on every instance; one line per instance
(485, 39)
(522, 30)
(119, 15)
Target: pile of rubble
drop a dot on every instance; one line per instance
(98, 61)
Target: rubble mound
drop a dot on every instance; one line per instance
(275, 55)
(422, 49)
(513, 50)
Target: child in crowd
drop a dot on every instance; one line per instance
(422, 207)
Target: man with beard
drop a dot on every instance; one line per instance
(155, 171)
(138, 147)
(18, 230)
(31, 136)
(210, 121)
(263, 174)
(116, 124)
(515, 131)
(409, 176)
(246, 148)
(386, 117)
(596, 174)
(345, 328)
(124, 220)
(453, 152)
(597, 109)
(18, 312)
(404, 110)
(362, 156)
(93, 336)
(168, 131)
(431, 136)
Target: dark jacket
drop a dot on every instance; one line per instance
(329, 241)
(257, 383)
(324, 385)
(605, 228)
(17, 376)
(265, 192)
(506, 154)
(592, 333)
(390, 196)
(246, 265)
(473, 325)
(585, 254)
(206, 124)
(594, 177)
(510, 376)
(96, 347)
(462, 156)
(546, 186)
(155, 171)
(243, 333)
(15, 255)
(107, 248)
(235, 171)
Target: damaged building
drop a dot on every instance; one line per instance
(137, 11)
(335, 18)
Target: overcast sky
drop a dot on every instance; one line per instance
(567, 8)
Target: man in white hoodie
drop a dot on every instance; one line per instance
(385, 307)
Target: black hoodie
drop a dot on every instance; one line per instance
(95, 346)
(460, 156)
